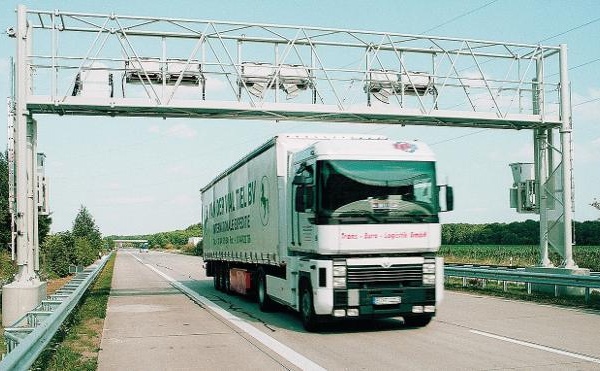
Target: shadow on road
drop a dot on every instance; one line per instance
(284, 318)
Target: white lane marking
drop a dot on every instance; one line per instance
(539, 347)
(286, 352)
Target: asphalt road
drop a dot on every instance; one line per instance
(470, 332)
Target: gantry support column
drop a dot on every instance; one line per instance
(541, 165)
(566, 149)
(27, 291)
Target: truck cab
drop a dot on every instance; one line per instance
(366, 215)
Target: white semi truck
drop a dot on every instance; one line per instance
(333, 226)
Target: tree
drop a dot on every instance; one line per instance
(44, 222)
(87, 237)
(85, 226)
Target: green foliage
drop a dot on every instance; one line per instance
(80, 247)
(84, 226)
(515, 255)
(85, 252)
(177, 238)
(587, 233)
(44, 222)
(5, 229)
(58, 253)
(516, 233)
(193, 249)
(7, 267)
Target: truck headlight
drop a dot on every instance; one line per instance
(429, 279)
(339, 282)
(339, 271)
(339, 274)
(428, 268)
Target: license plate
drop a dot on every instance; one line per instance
(386, 300)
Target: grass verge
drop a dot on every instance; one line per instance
(76, 345)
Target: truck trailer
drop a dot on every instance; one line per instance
(333, 226)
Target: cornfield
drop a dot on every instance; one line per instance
(517, 255)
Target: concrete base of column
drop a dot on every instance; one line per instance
(18, 298)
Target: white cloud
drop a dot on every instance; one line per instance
(182, 131)
(179, 131)
(584, 106)
(179, 169)
(114, 186)
(184, 200)
(587, 152)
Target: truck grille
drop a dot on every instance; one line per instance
(363, 276)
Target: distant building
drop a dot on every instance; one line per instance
(194, 240)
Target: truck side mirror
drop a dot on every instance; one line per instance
(446, 198)
(449, 198)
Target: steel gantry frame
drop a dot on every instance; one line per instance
(166, 67)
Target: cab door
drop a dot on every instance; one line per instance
(304, 235)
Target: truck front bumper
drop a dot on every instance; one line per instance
(382, 302)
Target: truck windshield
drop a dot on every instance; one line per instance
(376, 191)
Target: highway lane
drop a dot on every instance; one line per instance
(470, 331)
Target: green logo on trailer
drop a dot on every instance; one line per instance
(264, 200)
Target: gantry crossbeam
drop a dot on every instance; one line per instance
(165, 67)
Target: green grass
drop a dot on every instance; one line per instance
(77, 343)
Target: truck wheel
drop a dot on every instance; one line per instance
(264, 302)
(217, 277)
(307, 309)
(417, 321)
(221, 275)
(217, 281)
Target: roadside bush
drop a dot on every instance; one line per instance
(58, 253)
(85, 252)
(8, 267)
(190, 249)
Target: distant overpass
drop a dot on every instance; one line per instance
(120, 243)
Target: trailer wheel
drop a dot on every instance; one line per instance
(264, 302)
(417, 321)
(307, 309)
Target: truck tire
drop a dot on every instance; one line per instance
(221, 275)
(264, 302)
(216, 268)
(417, 321)
(307, 308)
(217, 281)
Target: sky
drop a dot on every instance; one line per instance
(139, 176)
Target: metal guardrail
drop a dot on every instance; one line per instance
(520, 275)
(28, 337)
